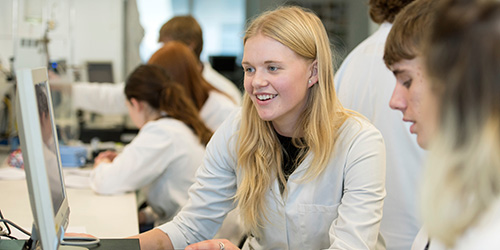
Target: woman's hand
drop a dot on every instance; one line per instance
(216, 244)
(105, 157)
(154, 239)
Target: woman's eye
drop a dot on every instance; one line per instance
(272, 68)
(249, 70)
(407, 83)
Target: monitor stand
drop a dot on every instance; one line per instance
(78, 243)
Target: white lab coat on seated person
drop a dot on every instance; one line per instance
(221, 83)
(216, 109)
(102, 98)
(364, 84)
(108, 98)
(163, 157)
(421, 240)
(340, 209)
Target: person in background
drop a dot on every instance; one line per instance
(187, 30)
(403, 55)
(181, 64)
(108, 98)
(364, 84)
(166, 152)
(461, 191)
(305, 172)
(213, 106)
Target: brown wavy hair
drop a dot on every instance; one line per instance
(181, 65)
(386, 10)
(408, 33)
(152, 84)
(183, 29)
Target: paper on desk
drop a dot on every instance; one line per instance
(77, 177)
(11, 173)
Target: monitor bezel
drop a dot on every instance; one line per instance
(48, 228)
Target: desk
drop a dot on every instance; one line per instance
(106, 244)
(102, 216)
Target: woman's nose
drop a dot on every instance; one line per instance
(259, 80)
(398, 99)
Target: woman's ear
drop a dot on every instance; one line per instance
(313, 78)
(137, 105)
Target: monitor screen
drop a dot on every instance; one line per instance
(100, 72)
(49, 145)
(40, 150)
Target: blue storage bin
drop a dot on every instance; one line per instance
(73, 156)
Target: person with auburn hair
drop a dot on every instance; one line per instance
(181, 64)
(213, 105)
(364, 84)
(461, 191)
(304, 172)
(108, 98)
(167, 150)
(187, 30)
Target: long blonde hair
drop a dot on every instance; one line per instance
(462, 176)
(259, 153)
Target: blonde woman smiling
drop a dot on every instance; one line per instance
(304, 172)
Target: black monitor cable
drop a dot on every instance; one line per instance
(8, 232)
(72, 241)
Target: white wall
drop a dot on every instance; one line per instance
(85, 30)
(99, 33)
(6, 46)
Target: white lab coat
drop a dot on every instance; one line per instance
(364, 84)
(484, 235)
(163, 157)
(102, 98)
(421, 240)
(221, 83)
(341, 208)
(109, 98)
(106, 98)
(216, 109)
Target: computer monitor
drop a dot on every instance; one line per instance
(100, 72)
(42, 162)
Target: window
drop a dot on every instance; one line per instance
(222, 22)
